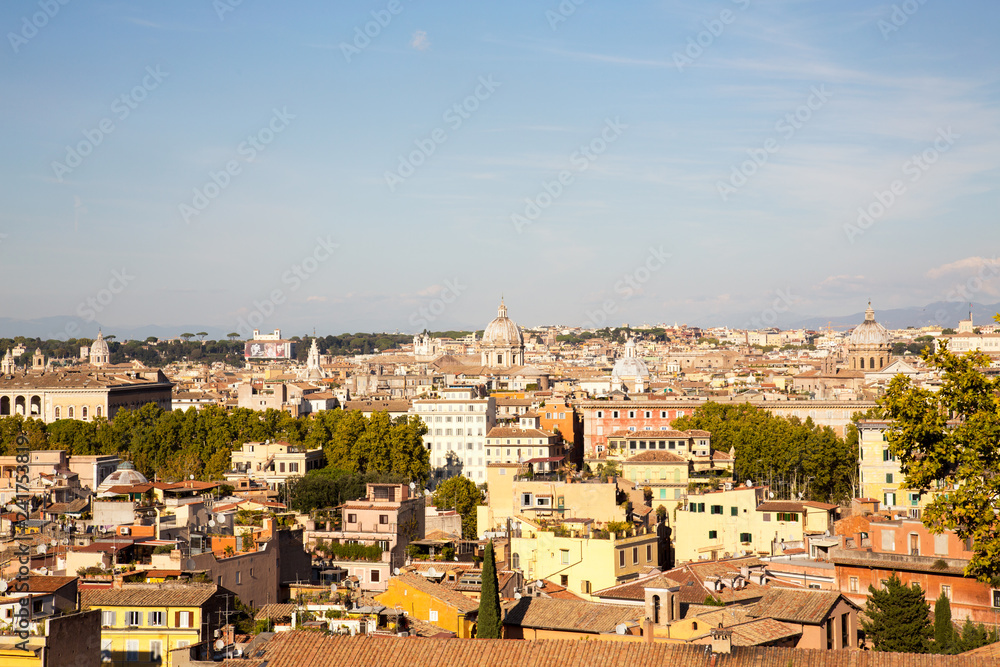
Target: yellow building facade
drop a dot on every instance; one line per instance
(427, 601)
(145, 624)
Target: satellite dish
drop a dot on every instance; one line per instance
(432, 572)
(219, 644)
(43, 570)
(211, 523)
(517, 595)
(191, 564)
(413, 486)
(3, 586)
(771, 494)
(749, 483)
(621, 628)
(220, 517)
(42, 548)
(53, 541)
(539, 584)
(395, 571)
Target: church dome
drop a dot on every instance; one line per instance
(870, 332)
(629, 365)
(125, 475)
(502, 330)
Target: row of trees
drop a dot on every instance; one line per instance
(899, 620)
(176, 444)
(791, 455)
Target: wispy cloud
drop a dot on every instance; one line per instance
(419, 41)
(967, 265)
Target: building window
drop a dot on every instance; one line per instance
(564, 580)
(733, 511)
(155, 650)
(383, 519)
(585, 586)
(716, 509)
(239, 577)
(108, 619)
(374, 576)
(853, 586)
(293, 467)
(564, 556)
(635, 555)
(946, 591)
(98, 411)
(649, 553)
(713, 534)
(58, 412)
(83, 412)
(132, 650)
(133, 619)
(156, 618)
(352, 518)
(888, 478)
(433, 616)
(621, 558)
(746, 538)
(106, 650)
(70, 412)
(183, 619)
(515, 561)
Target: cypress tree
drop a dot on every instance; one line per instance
(900, 618)
(944, 633)
(488, 623)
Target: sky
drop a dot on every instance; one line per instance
(400, 165)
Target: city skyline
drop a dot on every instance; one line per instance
(353, 168)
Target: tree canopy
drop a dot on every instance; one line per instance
(489, 621)
(791, 455)
(899, 618)
(177, 444)
(462, 494)
(948, 444)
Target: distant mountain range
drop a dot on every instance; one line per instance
(939, 313)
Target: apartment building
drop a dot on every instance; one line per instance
(457, 424)
(602, 418)
(743, 521)
(273, 463)
(526, 443)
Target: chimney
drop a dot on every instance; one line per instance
(647, 630)
(722, 640)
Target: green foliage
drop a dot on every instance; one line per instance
(177, 444)
(329, 487)
(462, 494)
(619, 528)
(349, 551)
(795, 456)
(974, 635)
(489, 622)
(661, 513)
(899, 618)
(713, 601)
(944, 631)
(947, 441)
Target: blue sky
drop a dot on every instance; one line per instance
(714, 157)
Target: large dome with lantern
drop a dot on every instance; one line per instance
(503, 344)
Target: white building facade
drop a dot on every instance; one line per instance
(457, 424)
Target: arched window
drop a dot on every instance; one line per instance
(515, 561)
(862, 362)
(70, 412)
(871, 363)
(98, 411)
(656, 609)
(84, 412)
(58, 412)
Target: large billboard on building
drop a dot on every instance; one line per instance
(268, 349)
